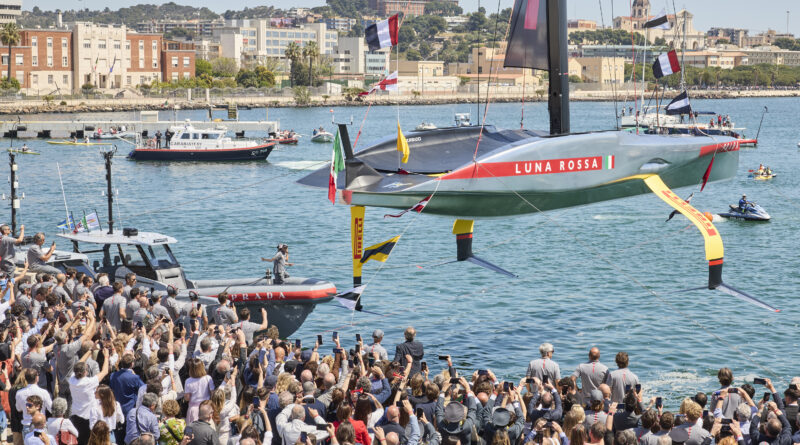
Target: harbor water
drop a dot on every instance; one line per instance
(601, 275)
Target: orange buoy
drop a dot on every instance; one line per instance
(709, 216)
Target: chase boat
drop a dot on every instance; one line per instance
(753, 212)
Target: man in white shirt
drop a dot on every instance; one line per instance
(291, 422)
(82, 389)
(33, 389)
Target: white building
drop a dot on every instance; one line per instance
(352, 56)
(10, 10)
(96, 48)
(230, 45)
(260, 41)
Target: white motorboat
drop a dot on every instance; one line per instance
(462, 120)
(192, 144)
(320, 135)
(425, 126)
(113, 135)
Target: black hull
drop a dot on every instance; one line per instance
(258, 153)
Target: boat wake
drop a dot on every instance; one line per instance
(299, 165)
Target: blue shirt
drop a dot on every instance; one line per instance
(147, 423)
(125, 385)
(742, 203)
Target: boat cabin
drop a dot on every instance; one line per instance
(147, 254)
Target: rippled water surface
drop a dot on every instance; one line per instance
(599, 275)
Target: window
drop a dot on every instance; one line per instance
(65, 79)
(186, 61)
(63, 43)
(141, 62)
(174, 62)
(155, 46)
(186, 136)
(34, 79)
(186, 75)
(34, 41)
(20, 75)
(128, 45)
(49, 60)
(65, 61)
(155, 63)
(101, 44)
(49, 79)
(127, 80)
(174, 76)
(87, 43)
(116, 44)
(35, 60)
(49, 42)
(19, 60)
(141, 45)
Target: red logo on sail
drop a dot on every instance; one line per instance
(532, 14)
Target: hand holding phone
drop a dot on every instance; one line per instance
(319, 340)
(638, 388)
(444, 357)
(659, 402)
(335, 336)
(358, 337)
(423, 366)
(297, 343)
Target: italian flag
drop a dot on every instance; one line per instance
(337, 165)
(608, 162)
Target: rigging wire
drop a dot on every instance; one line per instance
(611, 64)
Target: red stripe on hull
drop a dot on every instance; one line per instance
(719, 148)
(283, 296)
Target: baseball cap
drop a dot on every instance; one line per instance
(501, 417)
(305, 356)
(271, 381)
(596, 395)
(377, 333)
(454, 412)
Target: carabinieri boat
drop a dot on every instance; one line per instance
(191, 144)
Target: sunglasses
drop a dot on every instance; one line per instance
(29, 405)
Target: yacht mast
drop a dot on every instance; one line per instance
(558, 101)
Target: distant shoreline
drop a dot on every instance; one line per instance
(244, 102)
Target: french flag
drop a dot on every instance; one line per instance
(666, 64)
(382, 34)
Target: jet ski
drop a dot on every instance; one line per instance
(753, 212)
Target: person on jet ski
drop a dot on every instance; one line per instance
(744, 204)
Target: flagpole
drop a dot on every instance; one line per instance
(397, 61)
(63, 195)
(644, 67)
(84, 220)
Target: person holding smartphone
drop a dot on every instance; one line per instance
(37, 259)
(730, 400)
(546, 402)
(621, 378)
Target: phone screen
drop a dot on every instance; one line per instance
(505, 386)
(358, 337)
(444, 357)
(319, 339)
(659, 402)
(766, 396)
(335, 335)
(297, 343)
(303, 437)
(256, 402)
(423, 365)
(759, 381)
(545, 379)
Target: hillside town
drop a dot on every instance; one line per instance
(441, 49)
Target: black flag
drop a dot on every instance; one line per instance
(527, 41)
(679, 105)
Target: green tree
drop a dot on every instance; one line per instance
(445, 9)
(293, 53)
(202, 67)
(246, 79)
(301, 95)
(264, 76)
(311, 52)
(575, 79)
(9, 84)
(223, 67)
(786, 43)
(413, 54)
(9, 35)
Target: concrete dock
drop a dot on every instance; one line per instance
(67, 129)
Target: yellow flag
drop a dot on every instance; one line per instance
(402, 143)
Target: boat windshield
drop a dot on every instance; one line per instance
(157, 256)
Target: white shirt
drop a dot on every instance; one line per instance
(96, 413)
(32, 390)
(82, 391)
(57, 424)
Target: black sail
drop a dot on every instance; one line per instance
(527, 39)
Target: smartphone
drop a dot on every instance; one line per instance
(766, 396)
(399, 404)
(420, 412)
(139, 325)
(297, 343)
(358, 337)
(358, 347)
(638, 387)
(454, 380)
(530, 380)
(423, 366)
(180, 326)
(627, 389)
(188, 430)
(717, 393)
(304, 437)
(37, 434)
(659, 402)
(705, 413)
(335, 335)
(322, 427)
(726, 421)
(350, 363)
(545, 379)
(733, 390)
(505, 386)
(759, 381)
(371, 361)
(319, 339)
(483, 372)
(444, 357)
(256, 402)
(338, 350)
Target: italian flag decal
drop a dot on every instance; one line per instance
(608, 162)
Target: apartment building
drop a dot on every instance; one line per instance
(352, 56)
(177, 60)
(258, 40)
(10, 10)
(198, 28)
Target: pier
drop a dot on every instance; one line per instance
(148, 124)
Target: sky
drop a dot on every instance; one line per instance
(748, 14)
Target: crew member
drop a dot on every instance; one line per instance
(279, 263)
(743, 203)
(38, 259)
(158, 139)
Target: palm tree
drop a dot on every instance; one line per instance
(9, 35)
(292, 53)
(311, 50)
